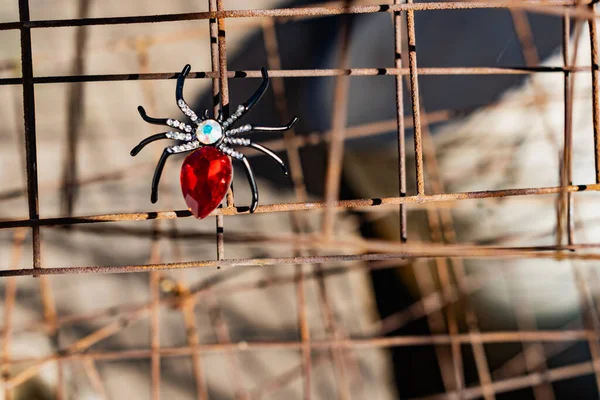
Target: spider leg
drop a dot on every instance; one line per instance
(270, 153)
(161, 164)
(134, 152)
(249, 174)
(259, 92)
(164, 121)
(247, 106)
(252, 182)
(254, 128)
(159, 136)
(157, 173)
(274, 128)
(262, 149)
(185, 108)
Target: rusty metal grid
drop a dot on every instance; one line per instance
(448, 256)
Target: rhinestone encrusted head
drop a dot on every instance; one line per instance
(209, 132)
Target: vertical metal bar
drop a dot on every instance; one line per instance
(30, 137)
(223, 336)
(435, 321)
(481, 363)
(189, 319)
(9, 304)
(223, 82)
(155, 324)
(53, 332)
(220, 238)
(525, 35)
(567, 165)
(338, 129)
(595, 88)
(569, 99)
(218, 53)
(451, 319)
(534, 353)
(188, 307)
(89, 365)
(214, 57)
(61, 389)
(338, 356)
(414, 94)
(458, 268)
(397, 17)
(214, 54)
(304, 333)
(565, 161)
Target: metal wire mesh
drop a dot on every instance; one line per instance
(448, 255)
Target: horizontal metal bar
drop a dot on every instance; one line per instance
(283, 207)
(549, 6)
(354, 343)
(302, 73)
(428, 251)
(259, 262)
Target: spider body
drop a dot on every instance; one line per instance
(209, 132)
(206, 173)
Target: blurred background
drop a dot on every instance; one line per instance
(501, 108)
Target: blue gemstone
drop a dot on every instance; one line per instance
(207, 129)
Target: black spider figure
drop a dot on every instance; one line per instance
(214, 132)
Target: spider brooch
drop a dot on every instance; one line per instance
(206, 173)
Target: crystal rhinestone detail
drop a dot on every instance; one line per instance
(205, 177)
(180, 136)
(238, 141)
(209, 131)
(241, 129)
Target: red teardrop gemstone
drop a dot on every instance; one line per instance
(205, 177)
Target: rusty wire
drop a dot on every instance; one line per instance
(337, 346)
